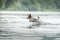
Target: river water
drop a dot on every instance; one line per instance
(14, 27)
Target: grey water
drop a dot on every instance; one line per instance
(47, 32)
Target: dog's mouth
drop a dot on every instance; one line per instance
(28, 18)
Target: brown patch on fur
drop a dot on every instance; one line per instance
(29, 16)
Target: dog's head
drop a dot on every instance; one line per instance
(29, 16)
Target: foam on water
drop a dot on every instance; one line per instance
(17, 26)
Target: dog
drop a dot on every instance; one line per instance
(34, 22)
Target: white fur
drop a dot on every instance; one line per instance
(34, 22)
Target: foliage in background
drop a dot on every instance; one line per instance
(30, 5)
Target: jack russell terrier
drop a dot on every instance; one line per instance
(34, 22)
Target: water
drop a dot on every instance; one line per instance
(14, 27)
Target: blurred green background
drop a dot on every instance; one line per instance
(29, 5)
